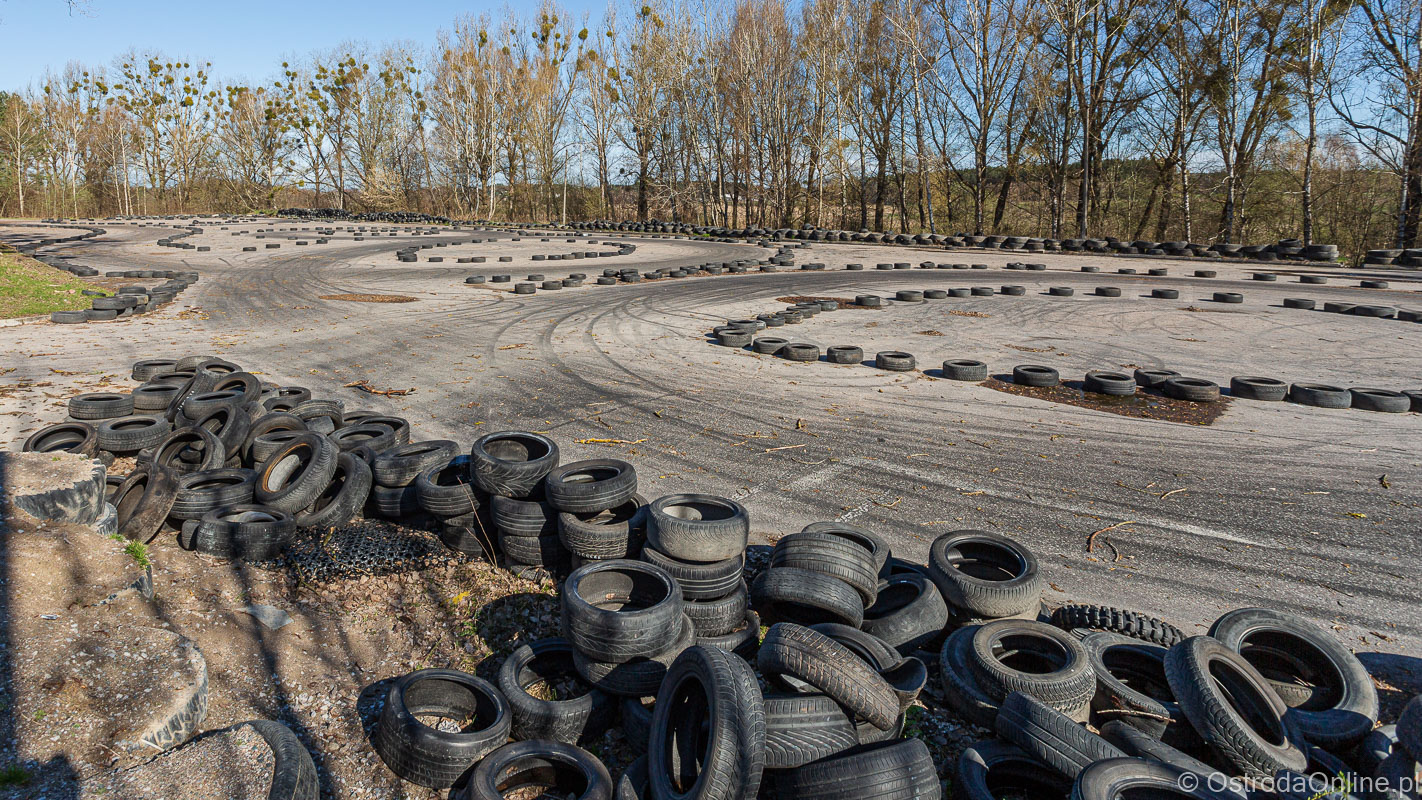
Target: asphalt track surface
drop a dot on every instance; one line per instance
(1275, 504)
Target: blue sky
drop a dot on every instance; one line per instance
(244, 39)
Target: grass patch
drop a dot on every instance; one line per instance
(28, 287)
(14, 775)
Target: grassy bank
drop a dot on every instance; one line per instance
(28, 287)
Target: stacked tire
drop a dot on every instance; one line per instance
(511, 466)
(626, 622)
(700, 541)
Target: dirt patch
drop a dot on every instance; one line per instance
(369, 298)
(959, 313)
(1142, 404)
(843, 302)
(929, 333)
(1024, 348)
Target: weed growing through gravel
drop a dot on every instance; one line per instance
(14, 775)
(138, 551)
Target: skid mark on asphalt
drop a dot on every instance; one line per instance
(1140, 519)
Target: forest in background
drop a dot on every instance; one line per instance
(1199, 120)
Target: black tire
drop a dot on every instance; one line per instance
(1135, 743)
(640, 677)
(131, 434)
(144, 500)
(1131, 686)
(615, 533)
(297, 474)
(533, 551)
(342, 499)
(1287, 649)
(1116, 384)
(816, 659)
(895, 361)
(1153, 378)
(1036, 659)
(321, 416)
(909, 613)
(377, 437)
(769, 345)
(428, 756)
(447, 489)
(574, 720)
(960, 687)
(264, 445)
(985, 574)
(1252, 387)
(100, 405)
(269, 423)
(1302, 303)
(187, 450)
(742, 641)
(1384, 400)
(1195, 390)
(229, 424)
(1375, 748)
(876, 545)
(636, 720)
(1228, 297)
(524, 518)
(800, 728)
(1320, 395)
(1409, 728)
(786, 594)
(634, 783)
(560, 769)
(79, 438)
(590, 486)
(1211, 682)
(697, 527)
(708, 729)
(293, 771)
(843, 354)
(895, 770)
(1116, 778)
(399, 466)
(512, 463)
(965, 370)
(830, 555)
(148, 367)
(250, 532)
(201, 492)
(615, 611)
(200, 404)
(720, 616)
(1115, 620)
(989, 770)
(1035, 375)
(1050, 736)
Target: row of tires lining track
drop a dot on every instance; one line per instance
(741, 334)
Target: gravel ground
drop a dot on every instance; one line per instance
(1299, 508)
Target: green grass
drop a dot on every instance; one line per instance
(14, 775)
(138, 551)
(28, 287)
